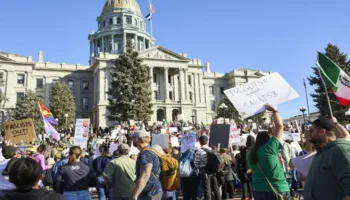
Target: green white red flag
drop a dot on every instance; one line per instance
(334, 79)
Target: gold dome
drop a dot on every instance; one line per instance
(112, 5)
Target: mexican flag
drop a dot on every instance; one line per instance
(335, 79)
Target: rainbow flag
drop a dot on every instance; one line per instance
(50, 130)
(47, 115)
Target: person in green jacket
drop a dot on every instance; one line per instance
(329, 174)
(263, 160)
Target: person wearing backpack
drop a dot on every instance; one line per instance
(208, 162)
(189, 176)
(148, 169)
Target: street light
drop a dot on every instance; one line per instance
(66, 116)
(303, 109)
(193, 116)
(223, 106)
(181, 119)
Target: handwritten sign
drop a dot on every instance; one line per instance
(234, 134)
(174, 142)
(249, 99)
(20, 130)
(173, 130)
(188, 141)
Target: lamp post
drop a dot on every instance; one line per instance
(303, 109)
(193, 116)
(223, 106)
(66, 116)
(181, 119)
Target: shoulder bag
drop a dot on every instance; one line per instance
(278, 195)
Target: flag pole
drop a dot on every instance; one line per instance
(307, 100)
(325, 89)
(151, 26)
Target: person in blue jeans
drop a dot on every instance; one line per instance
(75, 178)
(99, 165)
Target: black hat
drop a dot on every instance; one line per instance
(8, 151)
(325, 123)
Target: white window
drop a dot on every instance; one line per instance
(212, 106)
(110, 21)
(39, 83)
(85, 103)
(128, 19)
(20, 79)
(211, 90)
(71, 84)
(118, 1)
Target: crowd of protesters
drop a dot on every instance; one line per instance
(260, 170)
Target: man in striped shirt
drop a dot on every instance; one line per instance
(209, 181)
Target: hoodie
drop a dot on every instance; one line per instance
(35, 194)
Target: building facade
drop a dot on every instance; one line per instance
(179, 84)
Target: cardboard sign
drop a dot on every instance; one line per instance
(160, 139)
(250, 98)
(20, 130)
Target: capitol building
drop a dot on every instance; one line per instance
(180, 84)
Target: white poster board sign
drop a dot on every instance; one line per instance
(173, 129)
(81, 134)
(188, 141)
(161, 140)
(133, 150)
(234, 134)
(174, 142)
(296, 137)
(250, 98)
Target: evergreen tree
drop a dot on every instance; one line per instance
(130, 93)
(319, 97)
(28, 107)
(229, 112)
(62, 102)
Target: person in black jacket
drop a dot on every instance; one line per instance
(25, 174)
(242, 169)
(75, 177)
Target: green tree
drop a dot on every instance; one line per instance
(130, 94)
(62, 102)
(319, 97)
(229, 112)
(28, 107)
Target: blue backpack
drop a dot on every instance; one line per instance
(186, 169)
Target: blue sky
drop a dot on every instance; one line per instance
(271, 35)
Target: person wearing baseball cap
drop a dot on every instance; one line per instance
(331, 163)
(119, 174)
(148, 169)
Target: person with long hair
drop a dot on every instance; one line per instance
(242, 169)
(263, 160)
(25, 175)
(76, 176)
(39, 156)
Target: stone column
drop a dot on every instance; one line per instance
(181, 83)
(186, 84)
(103, 45)
(151, 75)
(205, 94)
(113, 48)
(166, 90)
(201, 88)
(124, 41)
(136, 42)
(91, 49)
(196, 88)
(144, 44)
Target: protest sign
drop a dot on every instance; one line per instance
(234, 134)
(303, 163)
(160, 139)
(174, 141)
(250, 98)
(133, 150)
(20, 130)
(188, 141)
(296, 137)
(219, 134)
(173, 129)
(81, 134)
(112, 148)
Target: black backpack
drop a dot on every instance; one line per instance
(47, 180)
(215, 162)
